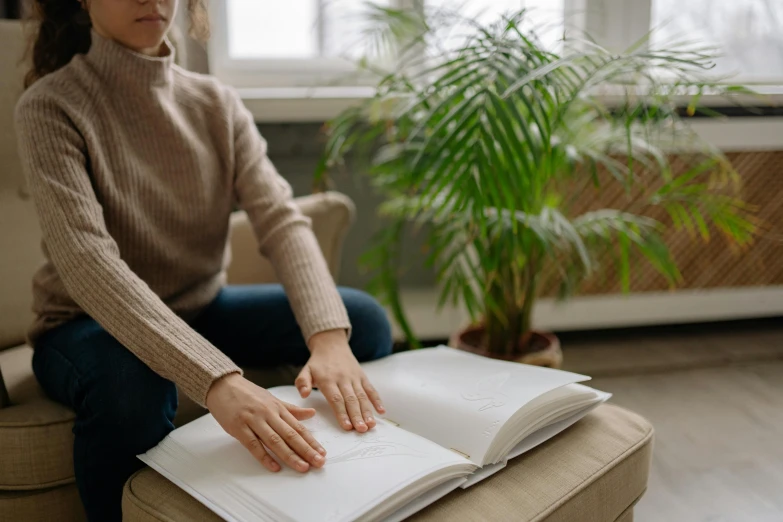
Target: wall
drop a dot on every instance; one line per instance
(295, 150)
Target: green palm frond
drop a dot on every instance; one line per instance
(488, 143)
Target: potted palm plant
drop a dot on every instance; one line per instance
(489, 142)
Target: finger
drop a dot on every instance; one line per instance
(373, 394)
(276, 443)
(292, 430)
(364, 404)
(304, 382)
(303, 431)
(352, 405)
(299, 412)
(251, 441)
(335, 396)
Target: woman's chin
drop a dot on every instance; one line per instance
(148, 46)
(148, 35)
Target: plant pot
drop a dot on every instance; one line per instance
(544, 347)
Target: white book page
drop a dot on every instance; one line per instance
(482, 473)
(544, 434)
(424, 500)
(361, 471)
(456, 399)
(533, 440)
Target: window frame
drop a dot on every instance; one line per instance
(261, 74)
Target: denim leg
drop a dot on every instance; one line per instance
(122, 408)
(371, 336)
(255, 326)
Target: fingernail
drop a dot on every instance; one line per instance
(318, 458)
(347, 422)
(320, 450)
(303, 389)
(369, 419)
(302, 464)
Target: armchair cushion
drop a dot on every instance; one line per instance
(35, 433)
(20, 251)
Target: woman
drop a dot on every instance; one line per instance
(135, 166)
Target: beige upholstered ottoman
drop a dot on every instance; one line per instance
(594, 472)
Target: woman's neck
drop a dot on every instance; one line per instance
(158, 51)
(129, 68)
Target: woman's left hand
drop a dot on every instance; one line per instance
(334, 370)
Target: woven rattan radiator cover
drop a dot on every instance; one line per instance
(713, 264)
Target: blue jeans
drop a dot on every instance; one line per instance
(123, 408)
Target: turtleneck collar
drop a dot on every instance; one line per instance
(120, 64)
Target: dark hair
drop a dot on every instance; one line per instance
(63, 30)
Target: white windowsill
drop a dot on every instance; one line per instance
(319, 104)
(301, 104)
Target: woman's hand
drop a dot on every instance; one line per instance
(256, 418)
(334, 370)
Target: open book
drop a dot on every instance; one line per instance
(452, 419)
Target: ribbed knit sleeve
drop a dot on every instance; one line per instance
(284, 235)
(88, 261)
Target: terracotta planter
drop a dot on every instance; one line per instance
(545, 350)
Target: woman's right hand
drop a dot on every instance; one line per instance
(261, 422)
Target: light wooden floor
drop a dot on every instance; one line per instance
(716, 402)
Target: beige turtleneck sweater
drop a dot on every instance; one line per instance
(135, 165)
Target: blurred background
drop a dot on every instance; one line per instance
(276, 53)
(703, 361)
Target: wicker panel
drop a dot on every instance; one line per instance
(714, 264)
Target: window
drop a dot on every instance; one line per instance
(294, 29)
(545, 16)
(307, 48)
(299, 43)
(747, 33)
(287, 44)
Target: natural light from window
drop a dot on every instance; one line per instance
(308, 29)
(748, 33)
(260, 29)
(546, 17)
(294, 29)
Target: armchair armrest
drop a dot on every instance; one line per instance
(332, 215)
(4, 400)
